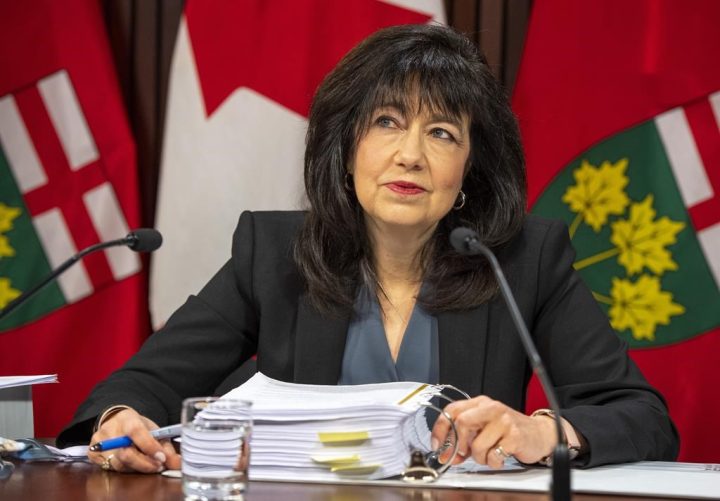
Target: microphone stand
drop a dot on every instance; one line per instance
(560, 486)
(133, 240)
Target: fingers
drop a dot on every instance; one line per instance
(134, 459)
(497, 456)
(492, 445)
(173, 461)
(147, 455)
(469, 424)
(441, 429)
(470, 416)
(131, 459)
(491, 432)
(139, 432)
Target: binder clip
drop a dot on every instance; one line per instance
(421, 470)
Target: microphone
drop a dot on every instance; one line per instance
(143, 240)
(466, 241)
(140, 240)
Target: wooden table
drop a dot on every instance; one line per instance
(78, 481)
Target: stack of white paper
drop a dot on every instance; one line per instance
(16, 411)
(331, 432)
(13, 381)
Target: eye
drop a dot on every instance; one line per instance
(385, 121)
(441, 133)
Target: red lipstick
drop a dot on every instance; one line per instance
(405, 188)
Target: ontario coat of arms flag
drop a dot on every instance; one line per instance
(619, 106)
(68, 180)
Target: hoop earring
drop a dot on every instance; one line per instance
(348, 182)
(460, 202)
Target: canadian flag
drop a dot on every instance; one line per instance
(68, 181)
(242, 78)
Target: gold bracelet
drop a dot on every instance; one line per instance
(107, 413)
(573, 450)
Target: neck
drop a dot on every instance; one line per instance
(397, 254)
(397, 257)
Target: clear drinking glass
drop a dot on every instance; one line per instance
(215, 448)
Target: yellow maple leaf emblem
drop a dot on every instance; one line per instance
(641, 306)
(7, 293)
(597, 193)
(7, 215)
(641, 240)
(6, 249)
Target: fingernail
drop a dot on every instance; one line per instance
(160, 468)
(160, 456)
(434, 443)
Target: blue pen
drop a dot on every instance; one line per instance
(118, 442)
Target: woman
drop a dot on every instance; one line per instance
(408, 137)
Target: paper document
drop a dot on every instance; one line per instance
(330, 432)
(648, 478)
(13, 381)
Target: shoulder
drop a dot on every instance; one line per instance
(266, 236)
(539, 227)
(268, 227)
(278, 222)
(538, 239)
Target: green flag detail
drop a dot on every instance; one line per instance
(636, 247)
(22, 259)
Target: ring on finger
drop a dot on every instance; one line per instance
(107, 463)
(501, 452)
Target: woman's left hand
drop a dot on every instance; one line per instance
(491, 432)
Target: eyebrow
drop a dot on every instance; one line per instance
(440, 117)
(435, 117)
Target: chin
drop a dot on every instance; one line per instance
(404, 219)
(406, 223)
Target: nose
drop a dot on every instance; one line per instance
(411, 149)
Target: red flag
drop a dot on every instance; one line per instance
(622, 97)
(67, 165)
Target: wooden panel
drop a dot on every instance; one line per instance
(465, 15)
(144, 105)
(169, 22)
(517, 16)
(119, 22)
(498, 28)
(491, 34)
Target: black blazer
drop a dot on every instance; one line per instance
(256, 304)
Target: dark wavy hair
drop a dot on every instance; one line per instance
(438, 69)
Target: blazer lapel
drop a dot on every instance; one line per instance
(463, 346)
(319, 345)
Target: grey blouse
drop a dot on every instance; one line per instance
(367, 357)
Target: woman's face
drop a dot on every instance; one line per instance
(408, 168)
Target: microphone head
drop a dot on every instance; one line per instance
(460, 239)
(144, 240)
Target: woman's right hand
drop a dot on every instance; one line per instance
(146, 455)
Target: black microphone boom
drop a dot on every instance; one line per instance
(466, 241)
(140, 240)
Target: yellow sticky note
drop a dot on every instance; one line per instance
(337, 460)
(342, 437)
(360, 469)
